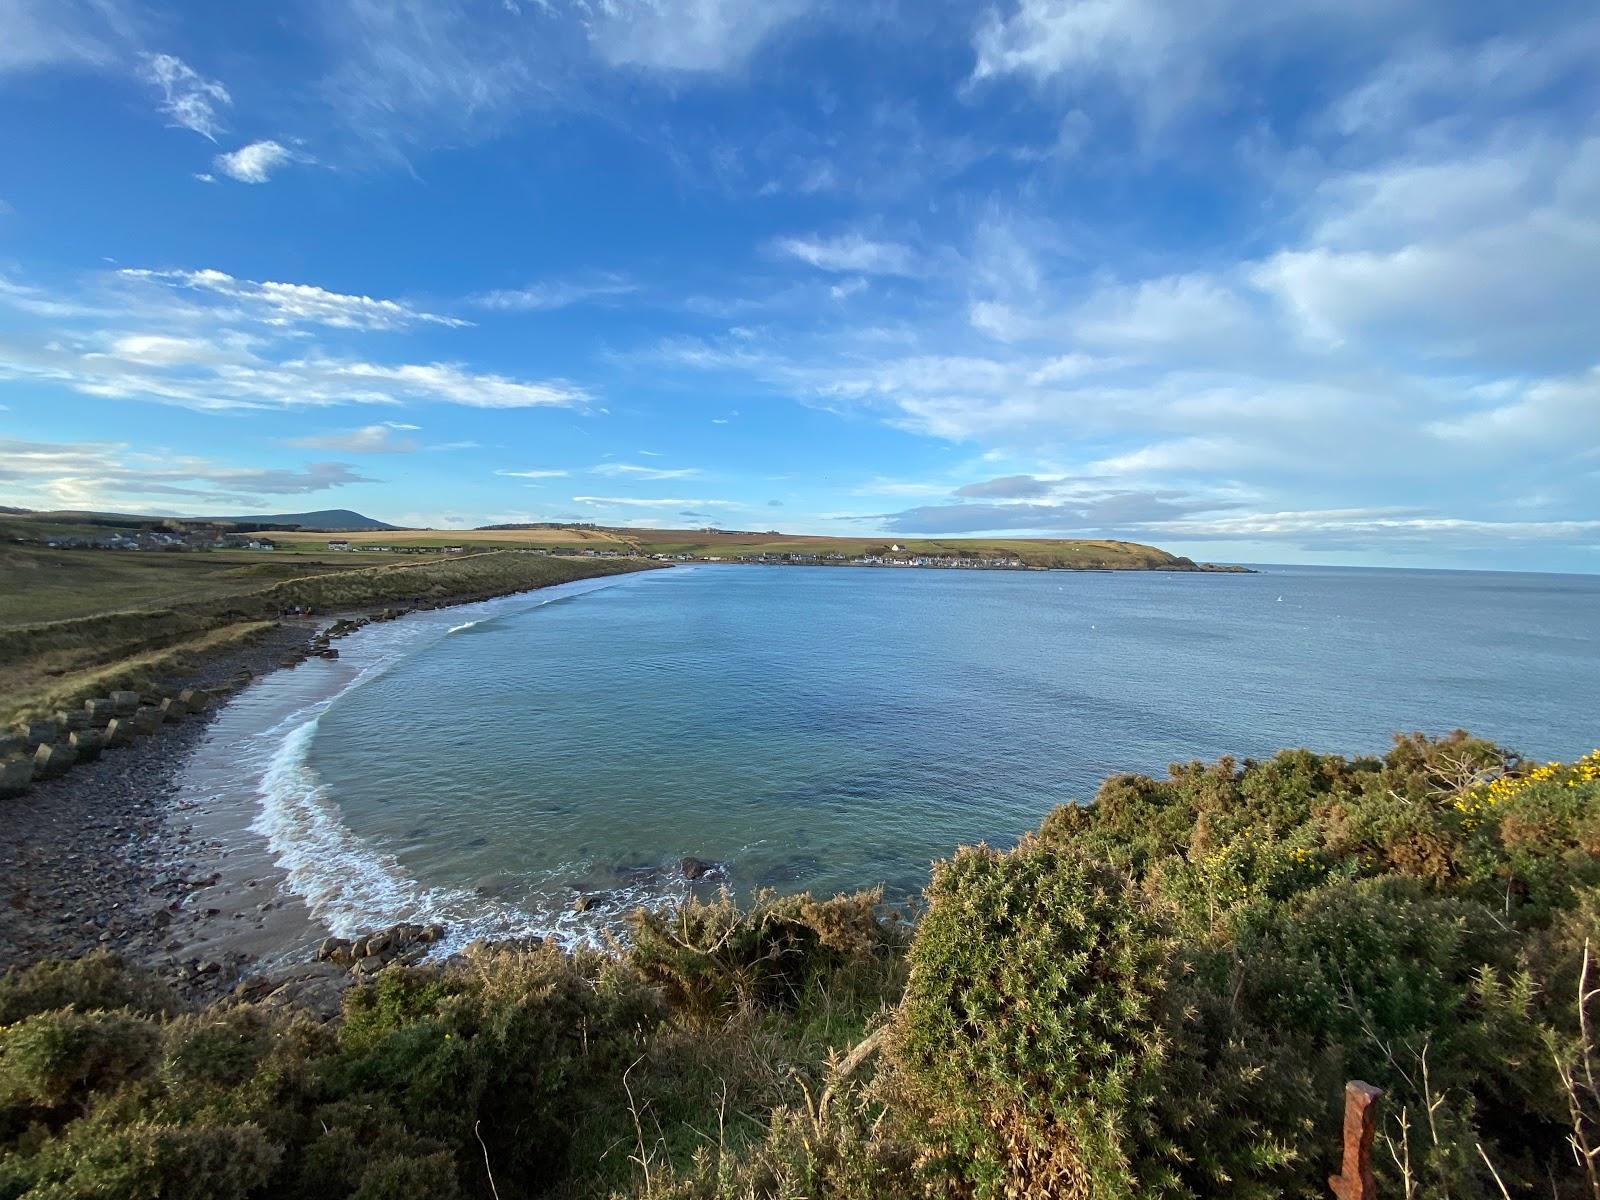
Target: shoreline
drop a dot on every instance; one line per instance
(108, 857)
(97, 858)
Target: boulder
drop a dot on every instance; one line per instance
(88, 743)
(583, 904)
(698, 868)
(15, 776)
(125, 704)
(50, 761)
(99, 711)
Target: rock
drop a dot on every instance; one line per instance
(583, 904)
(16, 776)
(50, 761)
(699, 868)
(88, 743)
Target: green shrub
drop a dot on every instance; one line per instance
(711, 957)
(98, 981)
(1031, 1022)
(53, 1061)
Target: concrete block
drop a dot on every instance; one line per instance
(172, 710)
(15, 776)
(119, 732)
(125, 704)
(40, 732)
(146, 719)
(88, 743)
(194, 699)
(12, 743)
(50, 761)
(73, 718)
(100, 711)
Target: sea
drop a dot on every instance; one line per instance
(500, 766)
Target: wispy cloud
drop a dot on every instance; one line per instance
(256, 162)
(189, 99)
(668, 502)
(542, 297)
(297, 303)
(96, 474)
(536, 473)
(635, 471)
(849, 253)
(368, 439)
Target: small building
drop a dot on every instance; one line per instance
(338, 545)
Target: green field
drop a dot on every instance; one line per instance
(76, 622)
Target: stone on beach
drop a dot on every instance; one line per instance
(52, 760)
(16, 776)
(88, 743)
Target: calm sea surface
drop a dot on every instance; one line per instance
(829, 728)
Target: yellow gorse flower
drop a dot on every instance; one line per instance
(1477, 802)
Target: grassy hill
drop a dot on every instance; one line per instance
(1040, 552)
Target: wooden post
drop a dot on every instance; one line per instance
(1354, 1181)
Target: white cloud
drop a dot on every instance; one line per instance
(46, 33)
(188, 98)
(297, 303)
(539, 297)
(637, 502)
(687, 35)
(631, 470)
(368, 439)
(255, 162)
(850, 253)
(101, 474)
(535, 474)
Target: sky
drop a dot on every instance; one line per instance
(1314, 281)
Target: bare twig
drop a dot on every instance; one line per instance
(1484, 1155)
(487, 1169)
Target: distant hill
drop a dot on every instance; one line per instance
(331, 520)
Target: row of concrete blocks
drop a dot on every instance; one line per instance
(101, 724)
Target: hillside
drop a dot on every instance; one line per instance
(705, 543)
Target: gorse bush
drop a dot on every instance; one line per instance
(1160, 993)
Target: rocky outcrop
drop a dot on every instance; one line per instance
(406, 942)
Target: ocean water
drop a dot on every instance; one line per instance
(833, 728)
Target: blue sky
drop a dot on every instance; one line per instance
(1316, 281)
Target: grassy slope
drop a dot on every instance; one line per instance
(1035, 551)
(115, 607)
